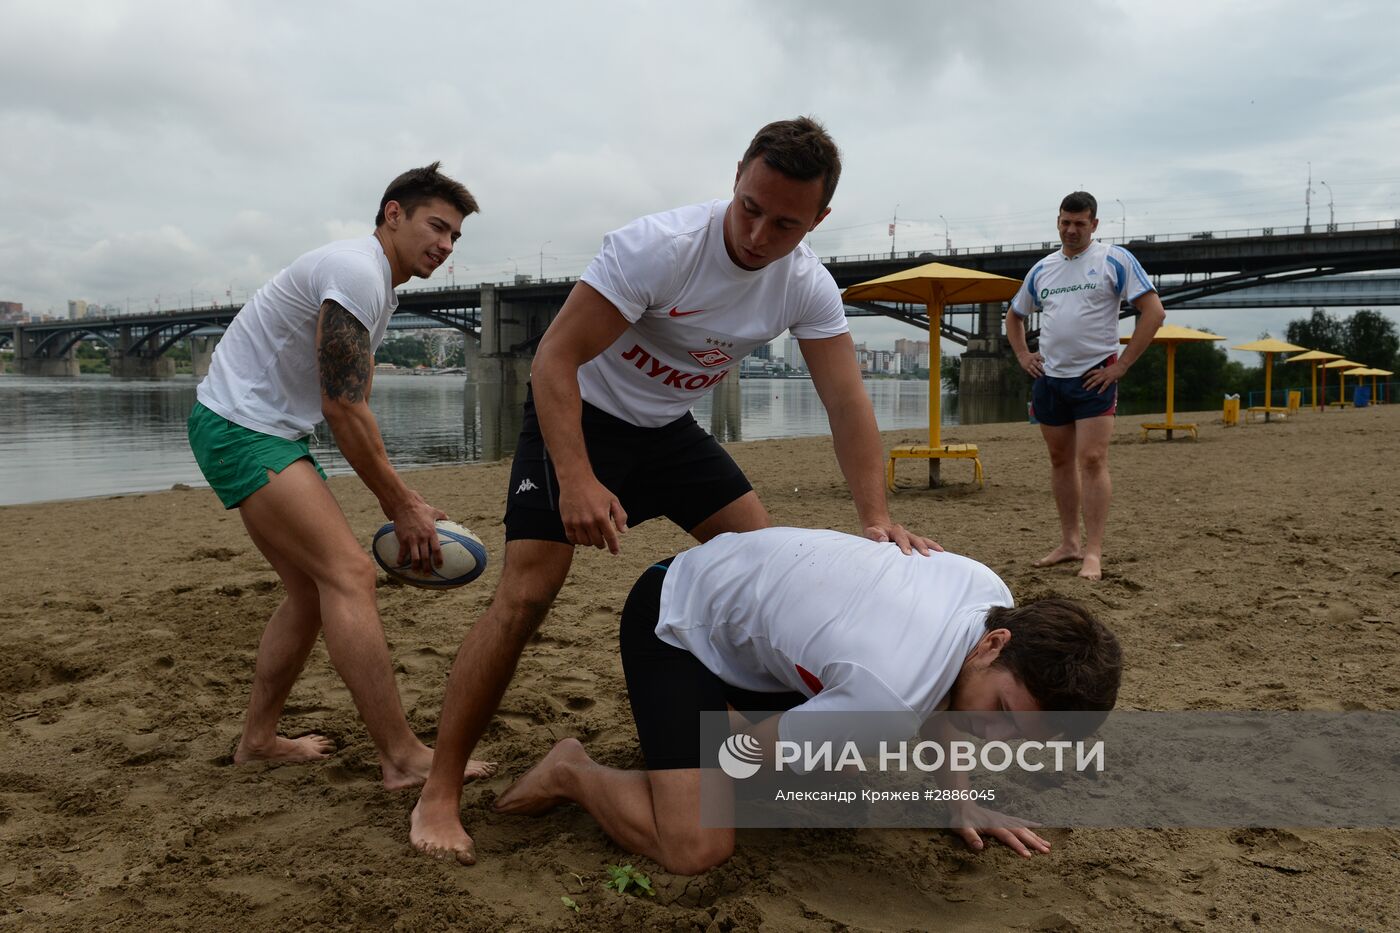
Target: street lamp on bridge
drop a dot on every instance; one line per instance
(1331, 213)
(1124, 222)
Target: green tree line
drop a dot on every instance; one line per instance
(1205, 373)
(413, 350)
(1367, 337)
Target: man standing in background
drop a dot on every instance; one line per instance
(1078, 290)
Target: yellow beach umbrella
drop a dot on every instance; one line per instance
(1373, 373)
(935, 285)
(1171, 335)
(1382, 372)
(1269, 346)
(1341, 366)
(1314, 357)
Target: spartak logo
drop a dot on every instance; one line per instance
(711, 357)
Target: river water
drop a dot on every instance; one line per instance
(97, 435)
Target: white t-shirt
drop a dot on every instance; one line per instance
(854, 625)
(1078, 299)
(264, 375)
(694, 313)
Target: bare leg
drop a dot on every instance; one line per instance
(282, 653)
(1064, 483)
(651, 813)
(1091, 454)
(298, 525)
(531, 577)
(745, 513)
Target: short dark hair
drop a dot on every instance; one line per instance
(801, 149)
(1077, 201)
(1067, 659)
(417, 186)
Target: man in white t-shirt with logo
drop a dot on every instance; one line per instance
(666, 311)
(820, 624)
(1078, 290)
(301, 350)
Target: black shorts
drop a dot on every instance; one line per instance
(677, 470)
(1058, 402)
(669, 688)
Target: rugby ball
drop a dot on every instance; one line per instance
(463, 558)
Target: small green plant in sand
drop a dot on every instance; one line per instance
(570, 903)
(625, 879)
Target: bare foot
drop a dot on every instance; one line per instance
(538, 791)
(1093, 567)
(479, 769)
(440, 835)
(303, 748)
(414, 771)
(1061, 555)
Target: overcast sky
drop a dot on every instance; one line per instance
(163, 150)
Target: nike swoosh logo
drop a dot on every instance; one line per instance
(676, 312)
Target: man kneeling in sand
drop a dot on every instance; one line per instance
(804, 620)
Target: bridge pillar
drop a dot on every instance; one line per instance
(989, 365)
(726, 405)
(141, 367)
(501, 408)
(201, 353)
(507, 331)
(28, 364)
(126, 365)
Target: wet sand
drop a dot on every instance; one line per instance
(1255, 569)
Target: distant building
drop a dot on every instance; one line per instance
(793, 356)
(12, 311)
(882, 362)
(764, 352)
(77, 308)
(913, 354)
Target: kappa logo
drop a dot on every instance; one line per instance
(711, 357)
(526, 485)
(677, 312)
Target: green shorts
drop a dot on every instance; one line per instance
(235, 460)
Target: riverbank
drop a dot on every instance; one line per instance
(1254, 569)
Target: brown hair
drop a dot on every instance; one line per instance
(801, 149)
(1067, 659)
(1077, 201)
(417, 186)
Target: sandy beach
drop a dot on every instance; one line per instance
(1254, 569)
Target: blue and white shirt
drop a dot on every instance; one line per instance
(1078, 299)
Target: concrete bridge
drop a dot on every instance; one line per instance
(1265, 267)
(137, 344)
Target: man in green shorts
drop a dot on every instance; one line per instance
(301, 350)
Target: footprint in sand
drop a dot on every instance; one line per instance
(215, 553)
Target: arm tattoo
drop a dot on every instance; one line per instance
(344, 355)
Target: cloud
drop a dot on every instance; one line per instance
(153, 146)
